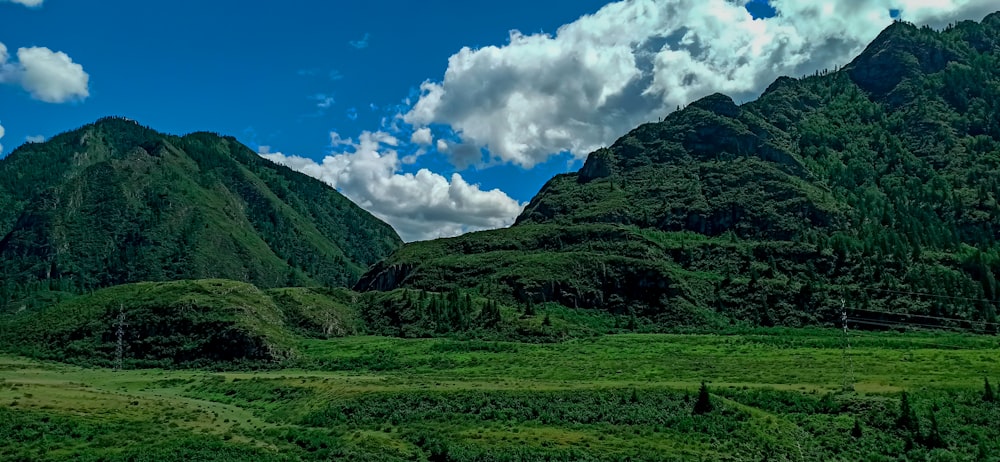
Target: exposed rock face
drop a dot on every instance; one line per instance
(600, 164)
(384, 277)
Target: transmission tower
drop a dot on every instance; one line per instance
(848, 361)
(120, 348)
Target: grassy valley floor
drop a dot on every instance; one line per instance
(776, 395)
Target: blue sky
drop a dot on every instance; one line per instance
(508, 111)
(258, 70)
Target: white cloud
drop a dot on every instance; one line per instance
(422, 205)
(28, 3)
(636, 60)
(361, 44)
(49, 76)
(442, 146)
(324, 101)
(422, 136)
(35, 139)
(2, 131)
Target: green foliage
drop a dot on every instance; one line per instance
(114, 202)
(183, 323)
(907, 418)
(856, 431)
(876, 183)
(988, 395)
(703, 405)
(603, 399)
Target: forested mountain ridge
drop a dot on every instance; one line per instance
(115, 202)
(876, 183)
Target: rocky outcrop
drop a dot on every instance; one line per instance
(384, 277)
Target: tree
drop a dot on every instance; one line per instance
(988, 395)
(490, 315)
(856, 432)
(704, 403)
(907, 419)
(546, 321)
(934, 439)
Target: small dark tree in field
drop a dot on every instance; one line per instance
(907, 419)
(546, 321)
(856, 432)
(934, 439)
(988, 395)
(529, 309)
(704, 403)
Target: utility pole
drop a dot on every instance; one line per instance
(847, 360)
(120, 348)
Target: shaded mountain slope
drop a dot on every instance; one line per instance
(876, 184)
(115, 202)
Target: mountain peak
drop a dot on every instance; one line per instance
(719, 104)
(901, 51)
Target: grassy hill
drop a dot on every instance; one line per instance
(114, 202)
(179, 323)
(876, 184)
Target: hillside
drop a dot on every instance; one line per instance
(181, 323)
(114, 202)
(876, 183)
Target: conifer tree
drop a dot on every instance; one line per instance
(529, 309)
(907, 419)
(988, 395)
(704, 403)
(856, 432)
(934, 439)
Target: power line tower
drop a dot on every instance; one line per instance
(120, 347)
(847, 359)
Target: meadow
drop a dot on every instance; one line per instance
(776, 395)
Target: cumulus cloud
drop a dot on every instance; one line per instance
(49, 76)
(422, 137)
(636, 60)
(35, 139)
(421, 205)
(28, 3)
(2, 131)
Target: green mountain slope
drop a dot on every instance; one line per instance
(115, 202)
(181, 323)
(876, 184)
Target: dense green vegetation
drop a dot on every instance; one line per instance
(229, 324)
(115, 202)
(771, 394)
(876, 184)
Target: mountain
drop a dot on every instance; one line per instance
(872, 187)
(115, 202)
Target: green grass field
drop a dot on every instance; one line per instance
(776, 393)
